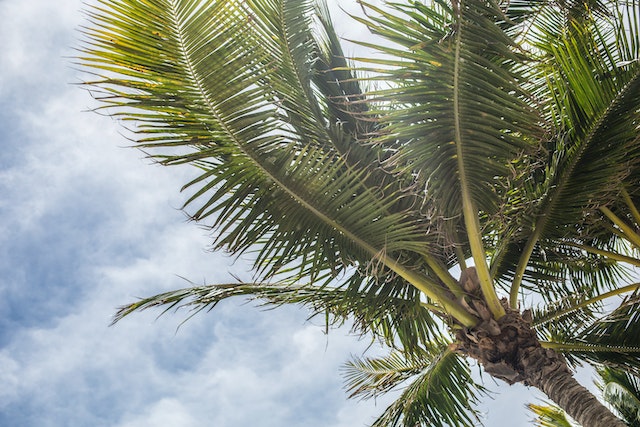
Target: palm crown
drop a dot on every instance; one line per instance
(499, 139)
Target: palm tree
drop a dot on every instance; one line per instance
(497, 139)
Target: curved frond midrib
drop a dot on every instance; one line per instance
(573, 346)
(470, 212)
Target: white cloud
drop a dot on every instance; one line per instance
(166, 412)
(36, 35)
(9, 378)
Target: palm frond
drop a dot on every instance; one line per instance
(440, 390)
(457, 114)
(398, 320)
(566, 314)
(563, 271)
(591, 117)
(574, 311)
(231, 87)
(600, 103)
(371, 377)
(461, 114)
(610, 340)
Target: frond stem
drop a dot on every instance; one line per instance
(628, 232)
(421, 282)
(462, 261)
(631, 205)
(469, 209)
(444, 275)
(579, 347)
(608, 254)
(522, 266)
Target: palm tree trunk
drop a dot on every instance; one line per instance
(575, 400)
(508, 349)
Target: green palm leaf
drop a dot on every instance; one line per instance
(229, 87)
(371, 377)
(561, 271)
(611, 340)
(464, 115)
(587, 70)
(596, 123)
(398, 321)
(440, 390)
(572, 313)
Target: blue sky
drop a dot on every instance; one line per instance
(86, 225)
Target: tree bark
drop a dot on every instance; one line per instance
(508, 349)
(515, 355)
(575, 400)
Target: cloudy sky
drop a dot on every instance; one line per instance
(86, 225)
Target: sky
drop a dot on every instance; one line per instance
(88, 224)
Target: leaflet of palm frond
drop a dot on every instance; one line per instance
(437, 387)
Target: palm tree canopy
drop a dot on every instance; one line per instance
(506, 135)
